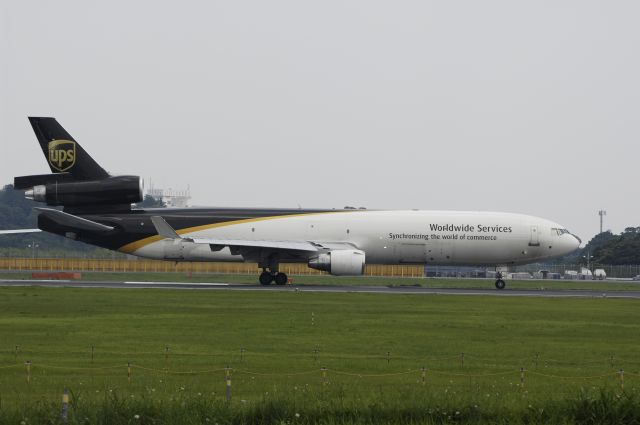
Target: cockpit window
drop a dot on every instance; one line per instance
(558, 231)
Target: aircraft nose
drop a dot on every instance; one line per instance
(579, 240)
(571, 243)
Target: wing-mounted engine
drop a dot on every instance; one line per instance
(340, 262)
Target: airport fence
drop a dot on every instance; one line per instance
(292, 269)
(460, 366)
(624, 271)
(157, 266)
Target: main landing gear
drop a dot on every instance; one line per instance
(267, 277)
(499, 282)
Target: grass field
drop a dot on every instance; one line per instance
(373, 346)
(604, 286)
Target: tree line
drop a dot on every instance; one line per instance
(607, 248)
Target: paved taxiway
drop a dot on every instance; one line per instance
(554, 293)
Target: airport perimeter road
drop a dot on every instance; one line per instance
(318, 288)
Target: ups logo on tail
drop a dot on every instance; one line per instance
(62, 154)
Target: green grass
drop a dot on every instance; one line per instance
(604, 286)
(571, 350)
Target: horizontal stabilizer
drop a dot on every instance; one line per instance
(18, 231)
(72, 221)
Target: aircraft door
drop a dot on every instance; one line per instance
(535, 236)
(439, 252)
(411, 253)
(446, 252)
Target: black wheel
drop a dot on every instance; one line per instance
(266, 278)
(281, 279)
(500, 284)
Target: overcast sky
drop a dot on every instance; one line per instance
(528, 107)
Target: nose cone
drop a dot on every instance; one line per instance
(570, 243)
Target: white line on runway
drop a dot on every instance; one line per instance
(178, 283)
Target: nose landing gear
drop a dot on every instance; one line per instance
(499, 282)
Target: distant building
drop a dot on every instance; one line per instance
(172, 198)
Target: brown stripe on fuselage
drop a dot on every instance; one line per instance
(133, 246)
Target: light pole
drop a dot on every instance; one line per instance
(33, 245)
(588, 257)
(601, 213)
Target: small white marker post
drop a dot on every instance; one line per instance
(228, 379)
(65, 406)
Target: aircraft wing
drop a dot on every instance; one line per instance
(18, 231)
(165, 230)
(218, 244)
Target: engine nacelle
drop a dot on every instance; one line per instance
(340, 262)
(109, 191)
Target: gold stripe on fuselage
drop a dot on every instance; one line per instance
(133, 246)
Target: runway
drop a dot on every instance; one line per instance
(402, 290)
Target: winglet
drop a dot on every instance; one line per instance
(163, 228)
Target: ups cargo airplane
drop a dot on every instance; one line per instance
(97, 209)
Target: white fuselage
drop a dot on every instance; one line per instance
(397, 237)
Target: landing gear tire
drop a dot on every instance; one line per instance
(281, 279)
(500, 284)
(266, 278)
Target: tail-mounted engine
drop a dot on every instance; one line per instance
(108, 191)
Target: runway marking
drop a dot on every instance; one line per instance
(220, 286)
(175, 283)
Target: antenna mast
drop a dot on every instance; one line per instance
(601, 213)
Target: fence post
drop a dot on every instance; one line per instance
(621, 379)
(28, 364)
(424, 375)
(462, 360)
(324, 375)
(522, 377)
(228, 379)
(129, 372)
(65, 406)
(242, 354)
(388, 357)
(166, 357)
